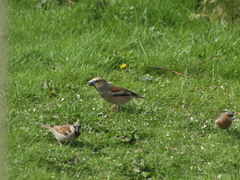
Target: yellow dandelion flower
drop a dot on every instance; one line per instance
(123, 66)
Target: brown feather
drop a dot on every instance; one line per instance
(65, 129)
(116, 89)
(223, 123)
(126, 92)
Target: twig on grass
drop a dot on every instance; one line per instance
(167, 69)
(184, 74)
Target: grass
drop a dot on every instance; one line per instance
(56, 48)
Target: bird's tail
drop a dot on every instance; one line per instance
(45, 125)
(138, 96)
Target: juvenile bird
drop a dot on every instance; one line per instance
(113, 94)
(66, 132)
(225, 120)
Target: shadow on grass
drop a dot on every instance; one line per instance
(131, 110)
(79, 144)
(235, 133)
(93, 147)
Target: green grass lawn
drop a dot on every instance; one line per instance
(56, 48)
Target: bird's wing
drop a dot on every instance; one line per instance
(63, 129)
(118, 91)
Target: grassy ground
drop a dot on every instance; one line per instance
(55, 48)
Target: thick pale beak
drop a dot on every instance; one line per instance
(91, 83)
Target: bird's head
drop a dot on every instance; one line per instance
(99, 83)
(228, 115)
(77, 126)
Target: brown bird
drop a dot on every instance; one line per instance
(65, 132)
(113, 94)
(225, 120)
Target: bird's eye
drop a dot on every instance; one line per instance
(230, 115)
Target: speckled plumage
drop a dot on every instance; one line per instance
(65, 132)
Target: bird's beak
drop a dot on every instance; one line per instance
(77, 129)
(91, 83)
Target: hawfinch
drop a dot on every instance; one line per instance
(225, 120)
(113, 94)
(66, 132)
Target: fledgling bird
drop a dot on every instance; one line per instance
(65, 133)
(113, 94)
(224, 121)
